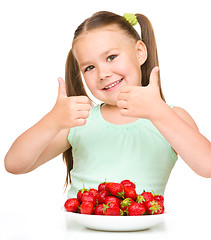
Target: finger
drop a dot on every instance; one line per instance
(124, 112)
(82, 99)
(125, 88)
(80, 121)
(82, 114)
(122, 104)
(154, 76)
(122, 96)
(83, 107)
(62, 88)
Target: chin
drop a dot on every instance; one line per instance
(112, 102)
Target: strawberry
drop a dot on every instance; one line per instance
(136, 209)
(161, 209)
(154, 207)
(80, 192)
(86, 208)
(98, 209)
(159, 198)
(130, 192)
(102, 186)
(95, 193)
(111, 209)
(124, 204)
(112, 199)
(72, 205)
(102, 196)
(128, 183)
(116, 189)
(107, 186)
(89, 197)
(148, 196)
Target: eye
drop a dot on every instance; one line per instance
(111, 58)
(88, 68)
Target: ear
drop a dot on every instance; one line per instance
(141, 50)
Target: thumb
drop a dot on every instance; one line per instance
(62, 87)
(154, 76)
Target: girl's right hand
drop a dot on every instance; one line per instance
(69, 112)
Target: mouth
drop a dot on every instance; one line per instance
(112, 85)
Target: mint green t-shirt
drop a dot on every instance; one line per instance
(135, 151)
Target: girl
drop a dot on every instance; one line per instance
(133, 134)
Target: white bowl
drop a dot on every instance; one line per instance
(116, 223)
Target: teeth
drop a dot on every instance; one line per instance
(110, 86)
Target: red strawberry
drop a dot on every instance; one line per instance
(111, 209)
(107, 186)
(102, 186)
(89, 197)
(116, 189)
(80, 192)
(136, 209)
(130, 193)
(154, 207)
(112, 199)
(72, 205)
(148, 196)
(95, 193)
(98, 209)
(159, 198)
(124, 204)
(86, 208)
(102, 196)
(161, 209)
(128, 183)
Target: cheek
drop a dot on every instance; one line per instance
(132, 72)
(128, 66)
(89, 83)
(90, 78)
(121, 68)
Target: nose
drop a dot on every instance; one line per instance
(104, 72)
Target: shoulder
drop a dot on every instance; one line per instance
(182, 113)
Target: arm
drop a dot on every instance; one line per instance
(48, 138)
(176, 125)
(180, 130)
(37, 145)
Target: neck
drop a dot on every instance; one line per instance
(111, 113)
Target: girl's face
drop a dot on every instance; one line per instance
(108, 58)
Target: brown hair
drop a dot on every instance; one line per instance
(74, 84)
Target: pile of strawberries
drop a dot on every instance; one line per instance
(115, 199)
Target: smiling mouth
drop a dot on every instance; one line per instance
(112, 84)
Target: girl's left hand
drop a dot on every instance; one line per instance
(141, 102)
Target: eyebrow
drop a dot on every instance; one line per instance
(103, 54)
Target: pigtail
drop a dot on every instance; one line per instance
(74, 87)
(73, 80)
(148, 37)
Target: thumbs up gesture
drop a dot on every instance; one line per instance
(141, 102)
(70, 112)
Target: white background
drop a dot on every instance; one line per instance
(35, 39)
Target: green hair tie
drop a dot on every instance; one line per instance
(131, 18)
